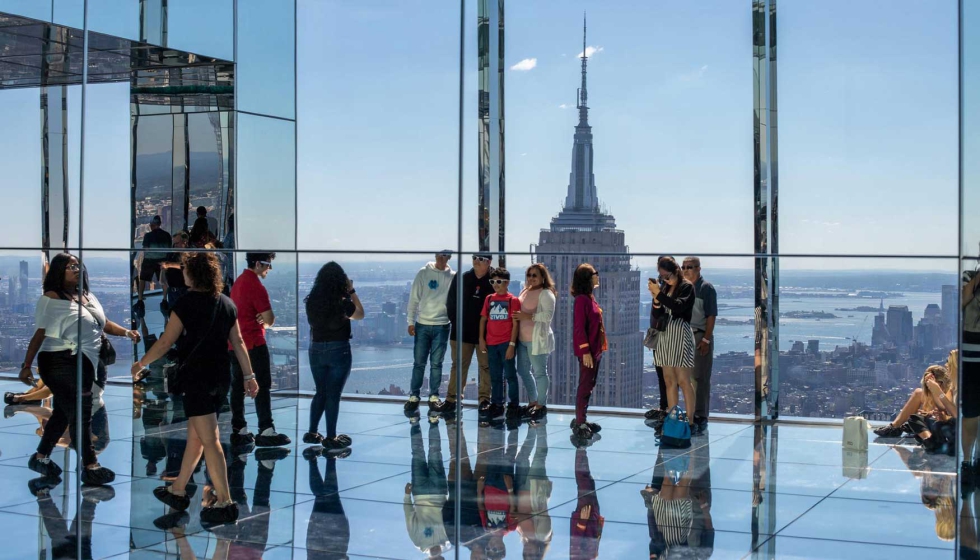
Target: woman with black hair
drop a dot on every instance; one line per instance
(589, 340)
(201, 236)
(69, 320)
(330, 306)
(675, 346)
(202, 324)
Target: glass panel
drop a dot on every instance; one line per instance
(837, 159)
(391, 167)
(21, 145)
(266, 57)
(70, 13)
(106, 218)
(203, 27)
(120, 18)
(36, 9)
(856, 335)
(587, 156)
(266, 183)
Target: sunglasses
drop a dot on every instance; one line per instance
(498, 281)
(482, 259)
(595, 273)
(533, 275)
(266, 263)
(689, 267)
(74, 267)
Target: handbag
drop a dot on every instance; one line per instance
(176, 372)
(650, 340)
(676, 430)
(855, 433)
(676, 465)
(107, 354)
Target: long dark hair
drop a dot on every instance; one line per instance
(582, 280)
(329, 290)
(54, 280)
(671, 266)
(200, 234)
(547, 282)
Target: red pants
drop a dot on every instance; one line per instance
(586, 383)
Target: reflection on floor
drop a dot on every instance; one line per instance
(740, 491)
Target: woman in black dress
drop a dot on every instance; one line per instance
(202, 323)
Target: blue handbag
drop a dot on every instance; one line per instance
(676, 430)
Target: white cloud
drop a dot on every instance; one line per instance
(525, 65)
(694, 75)
(589, 51)
(564, 106)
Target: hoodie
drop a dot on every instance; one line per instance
(423, 519)
(427, 299)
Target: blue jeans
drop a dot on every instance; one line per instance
(537, 384)
(430, 344)
(502, 369)
(330, 363)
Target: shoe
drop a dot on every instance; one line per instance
(98, 476)
(484, 406)
(513, 422)
(44, 467)
(433, 418)
(241, 439)
(312, 437)
(655, 414)
(582, 431)
(98, 494)
(172, 520)
(219, 514)
(179, 503)
(537, 412)
(338, 443)
(337, 453)
(495, 411)
(889, 431)
(702, 424)
(593, 427)
(311, 453)
(412, 405)
(8, 398)
(444, 407)
(42, 485)
(272, 453)
(270, 438)
(514, 410)
(434, 401)
(139, 309)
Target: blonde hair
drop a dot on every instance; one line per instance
(941, 375)
(953, 369)
(944, 507)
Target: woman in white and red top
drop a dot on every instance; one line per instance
(536, 339)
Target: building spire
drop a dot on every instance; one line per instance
(583, 94)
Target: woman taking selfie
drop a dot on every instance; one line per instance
(675, 346)
(202, 323)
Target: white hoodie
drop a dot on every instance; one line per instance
(427, 299)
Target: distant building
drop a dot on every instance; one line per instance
(898, 321)
(813, 347)
(583, 232)
(23, 298)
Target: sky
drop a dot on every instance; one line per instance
(867, 125)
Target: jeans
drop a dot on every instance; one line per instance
(586, 383)
(484, 371)
(537, 384)
(58, 370)
(262, 368)
(428, 476)
(330, 363)
(502, 369)
(430, 344)
(701, 376)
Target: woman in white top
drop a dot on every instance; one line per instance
(536, 340)
(69, 320)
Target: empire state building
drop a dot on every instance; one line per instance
(583, 232)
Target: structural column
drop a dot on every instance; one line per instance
(490, 50)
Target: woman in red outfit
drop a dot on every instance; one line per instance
(589, 340)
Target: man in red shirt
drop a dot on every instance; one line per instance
(254, 315)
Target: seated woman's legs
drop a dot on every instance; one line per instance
(912, 406)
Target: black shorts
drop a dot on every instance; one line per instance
(150, 268)
(201, 402)
(970, 389)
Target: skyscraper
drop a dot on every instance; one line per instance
(584, 232)
(23, 297)
(899, 324)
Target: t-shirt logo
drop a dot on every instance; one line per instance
(433, 284)
(499, 310)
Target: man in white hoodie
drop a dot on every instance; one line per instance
(428, 322)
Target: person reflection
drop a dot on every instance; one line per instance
(495, 491)
(328, 529)
(936, 488)
(534, 493)
(471, 526)
(64, 538)
(678, 502)
(426, 494)
(970, 387)
(250, 536)
(586, 522)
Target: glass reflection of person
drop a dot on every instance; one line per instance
(495, 494)
(678, 501)
(252, 534)
(471, 526)
(69, 319)
(65, 538)
(328, 529)
(153, 241)
(202, 323)
(426, 494)
(970, 385)
(587, 522)
(533, 494)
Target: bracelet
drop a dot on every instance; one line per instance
(708, 340)
(513, 344)
(249, 378)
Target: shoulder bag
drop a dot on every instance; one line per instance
(176, 373)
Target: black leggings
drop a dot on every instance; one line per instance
(58, 371)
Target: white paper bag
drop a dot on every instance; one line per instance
(856, 433)
(855, 464)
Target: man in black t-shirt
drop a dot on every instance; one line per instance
(156, 238)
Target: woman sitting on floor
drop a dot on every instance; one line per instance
(935, 396)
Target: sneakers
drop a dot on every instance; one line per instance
(220, 514)
(412, 405)
(444, 407)
(312, 437)
(701, 423)
(495, 411)
(241, 439)
(484, 407)
(172, 520)
(593, 427)
(433, 401)
(537, 412)
(270, 438)
(177, 502)
(97, 475)
(655, 414)
(44, 467)
(43, 485)
(271, 454)
(889, 431)
(514, 410)
(581, 431)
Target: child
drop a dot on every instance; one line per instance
(498, 338)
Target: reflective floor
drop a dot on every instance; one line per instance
(740, 491)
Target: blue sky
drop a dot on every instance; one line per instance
(867, 124)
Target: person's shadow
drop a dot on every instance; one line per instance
(65, 539)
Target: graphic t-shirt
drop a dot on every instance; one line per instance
(499, 311)
(497, 514)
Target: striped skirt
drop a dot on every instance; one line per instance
(675, 346)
